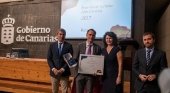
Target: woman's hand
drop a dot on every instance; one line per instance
(118, 80)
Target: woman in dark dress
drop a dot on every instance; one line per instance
(112, 63)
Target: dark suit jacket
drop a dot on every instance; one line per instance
(82, 49)
(157, 63)
(55, 60)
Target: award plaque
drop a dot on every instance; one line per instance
(91, 64)
(69, 60)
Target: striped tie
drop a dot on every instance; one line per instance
(148, 56)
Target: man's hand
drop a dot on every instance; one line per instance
(151, 77)
(61, 70)
(56, 72)
(143, 77)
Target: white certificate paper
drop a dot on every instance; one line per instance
(91, 64)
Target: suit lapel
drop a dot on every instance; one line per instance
(83, 48)
(94, 49)
(143, 55)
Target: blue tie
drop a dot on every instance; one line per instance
(60, 48)
(148, 56)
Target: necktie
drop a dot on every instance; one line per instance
(89, 50)
(148, 56)
(59, 48)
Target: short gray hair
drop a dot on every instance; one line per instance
(62, 30)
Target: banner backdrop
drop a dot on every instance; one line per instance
(29, 26)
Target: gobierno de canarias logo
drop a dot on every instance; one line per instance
(24, 34)
(7, 32)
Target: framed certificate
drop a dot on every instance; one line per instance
(91, 64)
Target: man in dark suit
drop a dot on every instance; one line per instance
(85, 81)
(147, 65)
(59, 70)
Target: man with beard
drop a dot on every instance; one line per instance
(147, 65)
